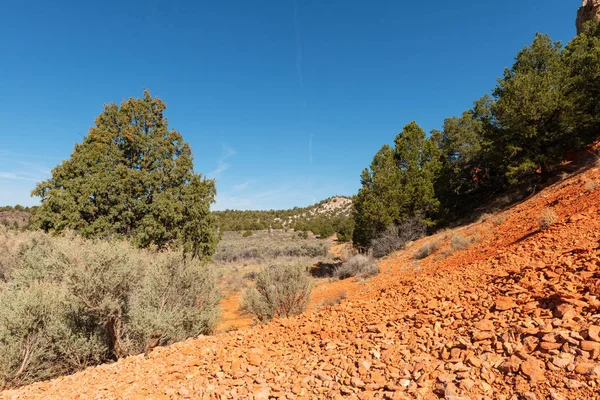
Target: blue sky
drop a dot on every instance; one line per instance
(283, 102)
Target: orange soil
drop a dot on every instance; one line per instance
(515, 316)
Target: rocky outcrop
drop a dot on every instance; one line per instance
(589, 10)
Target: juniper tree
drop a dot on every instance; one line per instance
(132, 177)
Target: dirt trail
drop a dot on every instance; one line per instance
(515, 316)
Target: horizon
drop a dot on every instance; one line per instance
(283, 104)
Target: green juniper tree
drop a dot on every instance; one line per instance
(132, 177)
(530, 109)
(398, 185)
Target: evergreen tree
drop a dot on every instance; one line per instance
(132, 177)
(398, 185)
(582, 59)
(530, 109)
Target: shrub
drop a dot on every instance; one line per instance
(396, 237)
(427, 249)
(547, 218)
(247, 233)
(336, 299)
(359, 265)
(265, 247)
(176, 300)
(499, 220)
(69, 303)
(280, 291)
(459, 243)
(43, 336)
(590, 185)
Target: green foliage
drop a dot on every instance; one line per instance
(247, 233)
(399, 185)
(318, 218)
(582, 60)
(280, 291)
(67, 303)
(543, 107)
(530, 105)
(132, 177)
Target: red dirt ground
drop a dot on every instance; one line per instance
(514, 316)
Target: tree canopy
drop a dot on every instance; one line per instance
(542, 108)
(132, 177)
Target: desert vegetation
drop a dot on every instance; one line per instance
(279, 291)
(543, 107)
(329, 217)
(547, 218)
(67, 302)
(132, 177)
(359, 265)
(267, 247)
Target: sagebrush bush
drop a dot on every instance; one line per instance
(459, 243)
(265, 246)
(279, 291)
(396, 237)
(427, 249)
(547, 218)
(68, 303)
(360, 265)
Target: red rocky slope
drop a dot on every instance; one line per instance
(515, 316)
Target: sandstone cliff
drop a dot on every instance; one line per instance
(589, 9)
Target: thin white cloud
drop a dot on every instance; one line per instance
(22, 155)
(13, 176)
(222, 164)
(243, 186)
(232, 203)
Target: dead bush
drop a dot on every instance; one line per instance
(547, 218)
(499, 220)
(427, 249)
(396, 237)
(359, 265)
(280, 291)
(590, 185)
(337, 299)
(458, 243)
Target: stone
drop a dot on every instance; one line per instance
(587, 345)
(594, 333)
(484, 325)
(505, 303)
(533, 369)
(563, 360)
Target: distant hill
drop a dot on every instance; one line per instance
(331, 211)
(17, 216)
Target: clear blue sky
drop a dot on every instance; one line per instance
(283, 102)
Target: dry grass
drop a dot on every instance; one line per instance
(547, 218)
(336, 299)
(458, 243)
(499, 220)
(267, 247)
(427, 249)
(240, 258)
(359, 265)
(590, 185)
